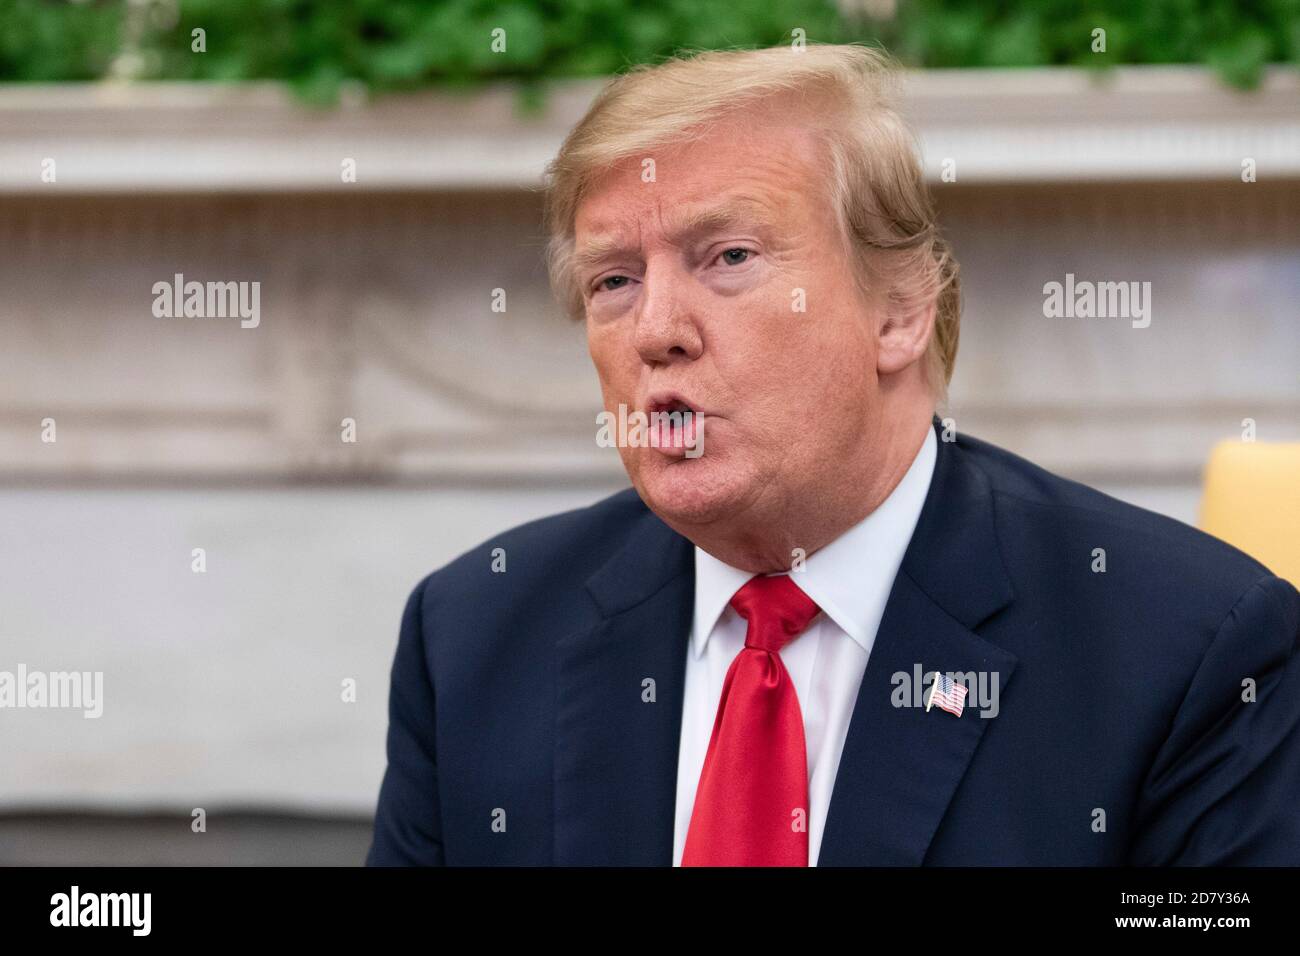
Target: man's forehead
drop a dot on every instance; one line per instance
(732, 173)
(626, 221)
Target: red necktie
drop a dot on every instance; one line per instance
(751, 807)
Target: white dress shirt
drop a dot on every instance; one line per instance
(850, 579)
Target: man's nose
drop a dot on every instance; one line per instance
(666, 326)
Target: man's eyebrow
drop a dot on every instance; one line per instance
(598, 249)
(682, 226)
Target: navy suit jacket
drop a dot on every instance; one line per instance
(521, 731)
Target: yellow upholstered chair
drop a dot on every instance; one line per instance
(1252, 501)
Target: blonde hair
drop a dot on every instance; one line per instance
(877, 186)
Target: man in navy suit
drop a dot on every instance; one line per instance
(823, 627)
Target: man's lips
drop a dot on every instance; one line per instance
(671, 401)
(675, 422)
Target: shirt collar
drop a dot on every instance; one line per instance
(850, 578)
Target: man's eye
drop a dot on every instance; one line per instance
(609, 283)
(734, 257)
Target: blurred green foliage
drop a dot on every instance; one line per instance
(322, 46)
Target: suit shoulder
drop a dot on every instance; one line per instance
(1187, 557)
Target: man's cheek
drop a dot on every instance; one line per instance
(606, 363)
(617, 389)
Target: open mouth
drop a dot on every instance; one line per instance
(669, 406)
(674, 423)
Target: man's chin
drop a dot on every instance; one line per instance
(691, 492)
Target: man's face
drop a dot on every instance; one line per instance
(722, 285)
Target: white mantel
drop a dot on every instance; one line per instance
(1025, 125)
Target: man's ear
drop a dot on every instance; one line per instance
(904, 335)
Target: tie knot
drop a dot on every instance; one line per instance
(776, 609)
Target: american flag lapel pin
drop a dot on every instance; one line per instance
(948, 694)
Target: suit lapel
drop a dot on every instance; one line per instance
(901, 765)
(615, 750)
